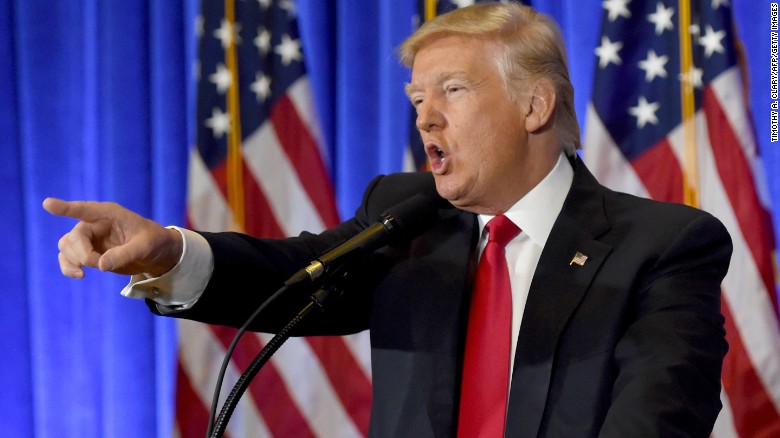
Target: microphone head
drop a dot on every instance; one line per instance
(413, 216)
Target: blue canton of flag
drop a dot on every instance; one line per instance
(269, 50)
(638, 97)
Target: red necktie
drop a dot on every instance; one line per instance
(485, 384)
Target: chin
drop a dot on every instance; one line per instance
(445, 190)
(461, 203)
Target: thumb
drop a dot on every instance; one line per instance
(118, 259)
(134, 257)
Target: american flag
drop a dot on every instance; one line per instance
(668, 120)
(260, 167)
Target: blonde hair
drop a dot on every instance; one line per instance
(533, 49)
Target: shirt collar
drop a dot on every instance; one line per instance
(535, 213)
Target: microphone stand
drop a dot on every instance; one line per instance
(317, 300)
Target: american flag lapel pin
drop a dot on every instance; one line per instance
(579, 259)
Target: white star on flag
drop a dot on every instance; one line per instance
(263, 40)
(289, 6)
(617, 8)
(265, 4)
(654, 65)
(695, 31)
(712, 41)
(644, 112)
(608, 52)
(228, 33)
(289, 50)
(219, 122)
(694, 76)
(222, 78)
(261, 87)
(662, 18)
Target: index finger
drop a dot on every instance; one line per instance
(82, 210)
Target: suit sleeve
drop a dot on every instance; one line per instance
(248, 270)
(668, 361)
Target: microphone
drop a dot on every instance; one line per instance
(404, 220)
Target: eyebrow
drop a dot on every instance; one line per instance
(410, 88)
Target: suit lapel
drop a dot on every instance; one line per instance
(559, 284)
(458, 231)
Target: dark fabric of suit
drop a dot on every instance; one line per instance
(630, 344)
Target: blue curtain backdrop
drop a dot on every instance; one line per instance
(96, 102)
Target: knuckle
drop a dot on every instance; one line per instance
(63, 242)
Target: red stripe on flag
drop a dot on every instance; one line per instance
(260, 219)
(752, 408)
(303, 153)
(268, 389)
(347, 377)
(192, 417)
(659, 171)
(735, 172)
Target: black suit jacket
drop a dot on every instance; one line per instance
(628, 344)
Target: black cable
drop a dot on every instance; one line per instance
(318, 300)
(229, 353)
(243, 382)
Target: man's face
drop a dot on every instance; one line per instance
(474, 133)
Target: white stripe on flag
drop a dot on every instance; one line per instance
(310, 388)
(727, 88)
(201, 361)
(206, 207)
(360, 346)
(604, 159)
(724, 425)
(281, 184)
(301, 96)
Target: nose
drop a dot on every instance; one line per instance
(429, 117)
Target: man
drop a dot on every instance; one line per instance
(614, 324)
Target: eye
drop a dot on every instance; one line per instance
(454, 89)
(416, 101)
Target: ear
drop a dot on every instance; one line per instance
(541, 106)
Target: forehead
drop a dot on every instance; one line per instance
(454, 55)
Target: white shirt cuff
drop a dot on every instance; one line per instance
(181, 287)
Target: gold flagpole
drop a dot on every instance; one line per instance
(235, 165)
(690, 165)
(430, 9)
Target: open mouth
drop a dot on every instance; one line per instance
(434, 152)
(436, 156)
